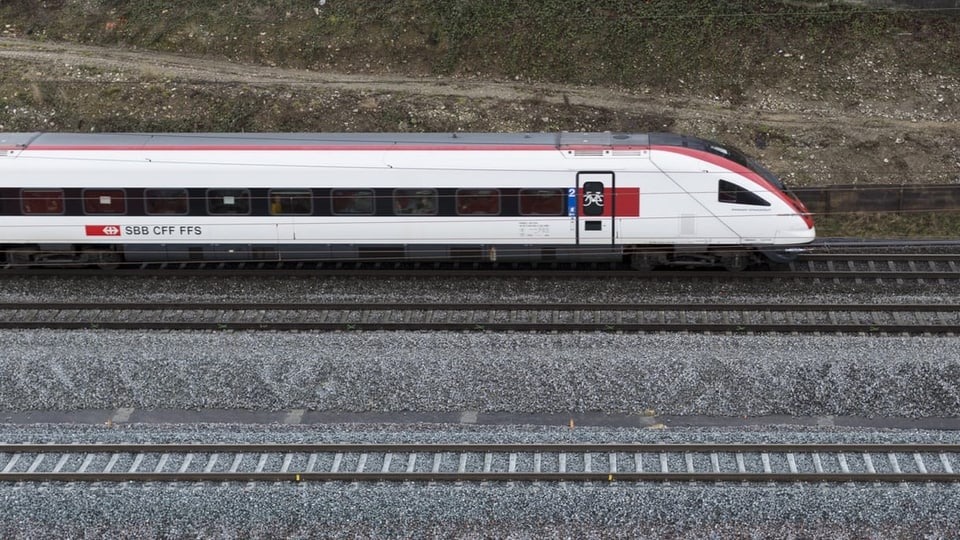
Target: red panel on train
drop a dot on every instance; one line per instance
(103, 230)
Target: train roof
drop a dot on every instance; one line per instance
(288, 140)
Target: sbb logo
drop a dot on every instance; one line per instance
(103, 230)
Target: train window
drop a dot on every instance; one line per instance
(733, 194)
(166, 201)
(104, 201)
(478, 201)
(42, 201)
(351, 202)
(291, 201)
(542, 202)
(228, 201)
(415, 201)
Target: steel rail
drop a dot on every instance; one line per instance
(898, 257)
(484, 306)
(478, 477)
(811, 265)
(579, 274)
(53, 448)
(696, 317)
(917, 463)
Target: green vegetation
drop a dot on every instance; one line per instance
(719, 46)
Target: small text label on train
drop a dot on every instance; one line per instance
(143, 230)
(162, 230)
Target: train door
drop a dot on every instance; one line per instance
(596, 208)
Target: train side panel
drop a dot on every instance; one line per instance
(671, 195)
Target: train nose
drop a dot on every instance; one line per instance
(796, 236)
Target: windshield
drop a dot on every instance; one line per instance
(740, 158)
(727, 152)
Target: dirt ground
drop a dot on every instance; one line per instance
(888, 129)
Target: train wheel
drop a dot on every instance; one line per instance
(105, 259)
(20, 257)
(735, 263)
(109, 265)
(644, 263)
(781, 256)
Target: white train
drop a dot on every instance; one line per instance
(648, 199)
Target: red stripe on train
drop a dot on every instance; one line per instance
(627, 202)
(102, 230)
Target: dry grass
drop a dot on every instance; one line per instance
(932, 226)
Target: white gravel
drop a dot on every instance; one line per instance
(673, 374)
(418, 511)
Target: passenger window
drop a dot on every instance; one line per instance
(298, 202)
(415, 201)
(228, 201)
(733, 194)
(104, 201)
(478, 202)
(166, 201)
(46, 201)
(352, 202)
(542, 202)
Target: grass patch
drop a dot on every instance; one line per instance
(939, 225)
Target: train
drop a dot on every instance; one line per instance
(643, 199)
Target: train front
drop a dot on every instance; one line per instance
(798, 227)
(793, 224)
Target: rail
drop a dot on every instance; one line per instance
(479, 462)
(684, 317)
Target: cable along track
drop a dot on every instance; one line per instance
(695, 317)
(479, 462)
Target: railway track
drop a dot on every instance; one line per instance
(674, 317)
(809, 266)
(479, 462)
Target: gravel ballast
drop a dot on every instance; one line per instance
(662, 374)
(474, 511)
(675, 374)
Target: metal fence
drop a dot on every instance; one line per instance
(915, 4)
(880, 198)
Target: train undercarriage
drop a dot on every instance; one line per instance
(641, 258)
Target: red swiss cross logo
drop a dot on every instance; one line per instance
(103, 230)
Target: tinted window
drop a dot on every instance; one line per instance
(542, 202)
(291, 201)
(593, 198)
(166, 201)
(42, 201)
(352, 201)
(415, 201)
(478, 201)
(228, 201)
(104, 201)
(733, 194)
